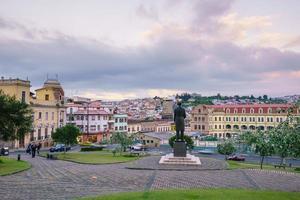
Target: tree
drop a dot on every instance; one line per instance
(15, 118)
(226, 149)
(67, 135)
(189, 141)
(122, 139)
(263, 145)
(281, 138)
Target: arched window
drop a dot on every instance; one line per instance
(243, 110)
(270, 110)
(260, 110)
(227, 110)
(252, 110)
(235, 110)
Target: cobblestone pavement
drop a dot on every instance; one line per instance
(55, 179)
(151, 163)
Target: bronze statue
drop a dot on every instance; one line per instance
(179, 116)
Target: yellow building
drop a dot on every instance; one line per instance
(47, 105)
(227, 120)
(49, 111)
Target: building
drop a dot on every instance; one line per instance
(120, 123)
(49, 111)
(134, 126)
(47, 103)
(154, 139)
(168, 109)
(20, 89)
(227, 120)
(95, 123)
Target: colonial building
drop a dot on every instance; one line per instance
(49, 111)
(95, 123)
(120, 123)
(134, 126)
(47, 105)
(226, 120)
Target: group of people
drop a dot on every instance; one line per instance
(33, 148)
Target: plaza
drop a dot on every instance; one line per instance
(56, 179)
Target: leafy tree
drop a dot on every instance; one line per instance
(67, 135)
(263, 145)
(122, 139)
(15, 118)
(281, 138)
(189, 141)
(226, 149)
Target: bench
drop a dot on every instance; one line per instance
(280, 166)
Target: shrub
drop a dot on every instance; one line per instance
(189, 141)
(91, 149)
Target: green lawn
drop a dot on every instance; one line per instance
(245, 165)
(202, 194)
(97, 157)
(11, 166)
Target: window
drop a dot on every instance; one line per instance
(271, 119)
(199, 127)
(243, 110)
(47, 97)
(220, 119)
(270, 110)
(116, 120)
(98, 117)
(203, 127)
(195, 127)
(195, 119)
(52, 117)
(98, 127)
(40, 115)
(116, 128)
(199, 110)
(227, 110)
(39, 133)
(262, 119)
(93, 117)
(46, 116)
(129, 129)
(46, 132)
(260, 110)
(216, 127)
(220, 127)
(251, 110)
(23, 96)
(216, 119)
(235, 110)
(203, 119)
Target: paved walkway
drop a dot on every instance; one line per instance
(49, 179)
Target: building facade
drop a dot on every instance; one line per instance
(47, 103)
(120, 123)
(94, 122)
(227, 120)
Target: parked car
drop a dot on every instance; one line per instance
(59, 148)
(4, 151)
(236, 158)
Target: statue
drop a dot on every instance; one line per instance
(179, 116)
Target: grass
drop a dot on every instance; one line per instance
(95, 157)
(245, 165)
(10, 166)
(202, 194)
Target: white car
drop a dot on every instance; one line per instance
(136, 147)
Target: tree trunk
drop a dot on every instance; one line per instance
(262, 161)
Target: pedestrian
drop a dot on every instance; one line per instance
(39, 147)
(28, 150)
(33, 150)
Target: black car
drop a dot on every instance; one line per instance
(59, 148)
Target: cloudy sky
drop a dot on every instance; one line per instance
(114, 49)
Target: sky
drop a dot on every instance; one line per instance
(115, 49)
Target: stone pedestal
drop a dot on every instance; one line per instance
(179, 149)
(170, 159)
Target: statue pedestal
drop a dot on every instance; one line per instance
(179, 149)
(170, 159)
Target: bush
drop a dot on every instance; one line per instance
(91, 149)
(189, 141)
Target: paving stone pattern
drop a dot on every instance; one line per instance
(55, 179)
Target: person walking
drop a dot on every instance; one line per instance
(38, 148)
(33, 150)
